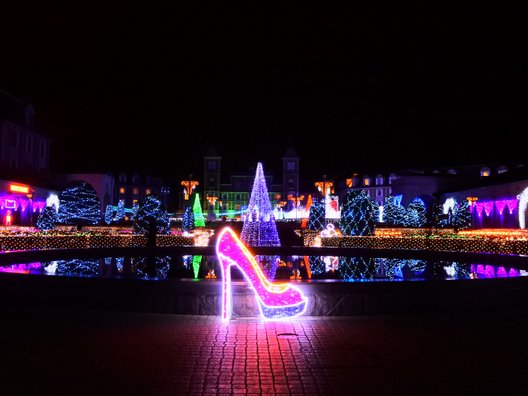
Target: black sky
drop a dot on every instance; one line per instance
(406, 84)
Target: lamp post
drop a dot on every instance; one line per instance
(188, 187)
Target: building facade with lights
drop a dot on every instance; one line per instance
(20, 203)
(23, 149)
(228, 195)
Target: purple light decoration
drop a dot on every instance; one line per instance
(513, 272)
(500, 206)
(479, 206)
(488, 207)
(276, 300)
(501, 271)
(511, 204)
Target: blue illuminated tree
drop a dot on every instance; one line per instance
(135, 208)
(316, 218)
(259, 228)
(120, 212)
(357, 214)
(79, 205)
(151, 210)
(109, 214)
(47, 219)
(188, 219)
(393, 213)
(461, 217)
(415, 215)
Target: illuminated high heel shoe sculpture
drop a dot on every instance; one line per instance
(276, 301)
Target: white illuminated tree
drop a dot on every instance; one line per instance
(259, 227)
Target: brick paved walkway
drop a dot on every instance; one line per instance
(118, 353)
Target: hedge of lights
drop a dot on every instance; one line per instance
(489, 241)
(41, 241)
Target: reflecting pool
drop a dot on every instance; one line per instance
(277, 268)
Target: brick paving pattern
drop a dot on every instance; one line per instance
(70, 352)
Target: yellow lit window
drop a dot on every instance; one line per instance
(135, 190)
(121, 190)
(366, 182)
(147, 191)
(349, 183)
(485, 173)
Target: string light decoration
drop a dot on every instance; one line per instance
(317, 265)
(415, 216)
(523, 201)
(79, 205)
(356, 268)
(461, 217)
(109, 214)
(151, 209)
(75, 267)
(151, 267)
(316, 218)
(357, 214)
(135, 208)
(47, 219)
(199, 220)
(188, 220)
(393, 213)
(120, 212)
(259, 228)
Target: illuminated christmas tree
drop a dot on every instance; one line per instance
(47, 219)
(316, 218)
(151, 209)
(199, 220)
(120, 212)
(259, 227)
(461, 217)
(357, 215)
(109, 214)
(415, 215)
(79, 205)
(188, 219)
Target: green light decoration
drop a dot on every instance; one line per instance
(199, 220)
(196, 260)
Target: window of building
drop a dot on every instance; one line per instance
(366, 181)
(452, 171)
(29, 144)
(121, 190)
(379, 180)
(135, 191)
(237, 197)
(378, 192)
(135, 178)
(484, 172)
(392, 177)
(13, 164)
(42, 149)
(13, 138)
(211, 165)
(122, 178)
(147, 191)
(290, 165)
(502, 169)
(290, 180)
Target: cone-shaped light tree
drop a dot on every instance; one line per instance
(199, 220)
(79, 205)
(259, 227)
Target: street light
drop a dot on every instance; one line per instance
(189, 186)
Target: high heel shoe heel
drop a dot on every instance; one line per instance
(276, 301)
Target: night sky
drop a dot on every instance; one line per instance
(407, 86)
